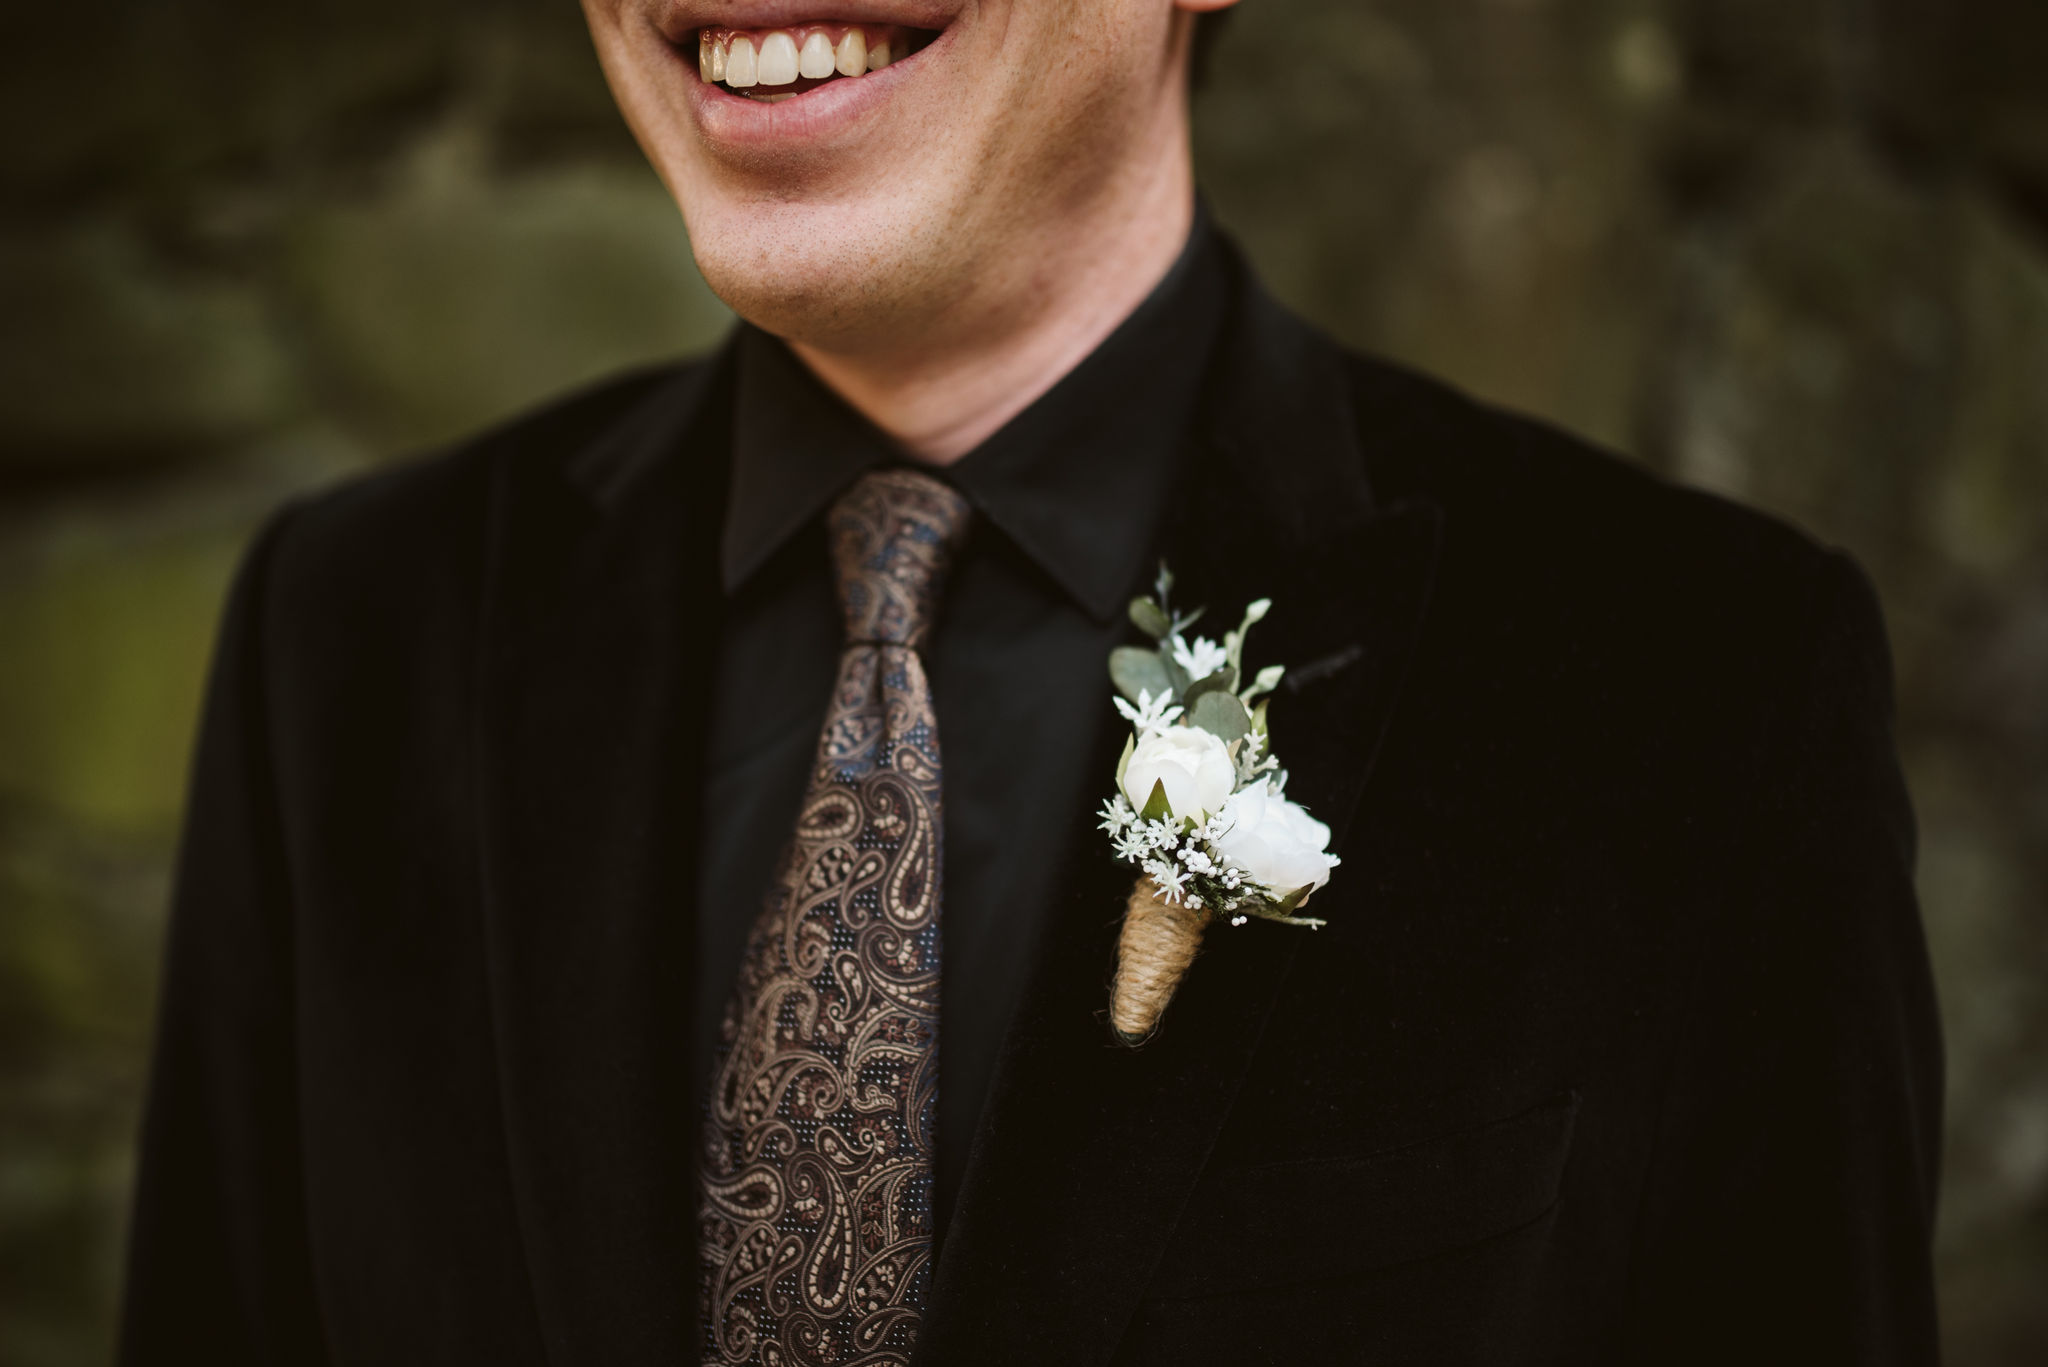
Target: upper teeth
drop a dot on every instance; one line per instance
(815, 60)
(778, 59)
(780, 56)
(851, 57)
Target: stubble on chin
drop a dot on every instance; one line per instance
(949, 257)
(829, 274)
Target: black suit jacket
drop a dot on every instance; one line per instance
(1619, 1047)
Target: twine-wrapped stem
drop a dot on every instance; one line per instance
(1158, 942)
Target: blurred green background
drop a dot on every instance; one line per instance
(1794, 250)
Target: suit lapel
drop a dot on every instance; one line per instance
(603, 569)
(1087, 1151)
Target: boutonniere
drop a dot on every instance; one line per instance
(1201, 805)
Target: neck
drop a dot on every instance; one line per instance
(1070, 291)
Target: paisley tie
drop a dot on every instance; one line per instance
(816, 1229)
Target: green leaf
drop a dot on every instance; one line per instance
(1221, 715)
(1130, 744)
(1163, 586)
(1157, 808)
(1259, 723)
(1176, 677)
(1224, 679)
(1148, 617)
(1135, 670)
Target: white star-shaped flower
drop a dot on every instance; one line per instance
(1117, 815)
(1151, 715)
(1170, 878)
(1200, 657)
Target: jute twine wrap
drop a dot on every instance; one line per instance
(1158, 943)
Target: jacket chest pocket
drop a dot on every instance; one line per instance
(1428, 1252)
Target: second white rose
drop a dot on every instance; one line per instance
(1275, 841)
(1193, 765)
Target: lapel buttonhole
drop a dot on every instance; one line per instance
(1315, 671)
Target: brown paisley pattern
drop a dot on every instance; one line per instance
(817, 1164)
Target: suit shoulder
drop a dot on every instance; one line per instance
(1575, 563)
(390, 507)
(421, 520)
(1526, 489)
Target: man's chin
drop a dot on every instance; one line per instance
(812, 296)
(842, 273)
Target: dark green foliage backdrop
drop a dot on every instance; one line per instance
(1796, 250)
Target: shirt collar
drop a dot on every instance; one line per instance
(1077, 480)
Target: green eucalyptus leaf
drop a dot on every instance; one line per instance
(1135, 670)
(1221, 715)
(1157, 808)
(1224, 679)
(1259, 723)
(1176, 677)
(1148, 617)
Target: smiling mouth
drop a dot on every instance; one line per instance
(769, 65)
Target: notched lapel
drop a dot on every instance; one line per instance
(1087, 1151)
(589, 729)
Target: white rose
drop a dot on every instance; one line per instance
(1275, 841)
(1191, 762)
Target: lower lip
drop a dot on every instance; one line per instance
(816, 116)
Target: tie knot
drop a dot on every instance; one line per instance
(893, 538)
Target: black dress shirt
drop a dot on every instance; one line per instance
(1067, 498)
